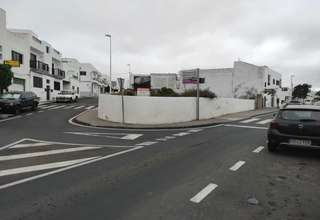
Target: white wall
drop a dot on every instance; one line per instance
(161, 110)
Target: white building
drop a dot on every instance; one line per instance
(40, 68)
(71, 82)
(91, 81)
(168, 80)
(244, 80)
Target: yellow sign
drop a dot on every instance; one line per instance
(12, 63)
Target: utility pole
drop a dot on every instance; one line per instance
(109, 36)
(198, 95)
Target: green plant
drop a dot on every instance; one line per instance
(6, 76)
(205, 93)
(166, 92)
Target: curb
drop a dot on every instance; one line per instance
(76, 121)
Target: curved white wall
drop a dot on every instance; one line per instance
(161, 110)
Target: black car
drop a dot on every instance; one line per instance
(14, 102)
(295, 125)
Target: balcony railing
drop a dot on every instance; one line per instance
(39, 67)
(58, 73)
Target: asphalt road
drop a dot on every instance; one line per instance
(50, 169)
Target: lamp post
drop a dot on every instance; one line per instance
(109, 36)
(291, 78)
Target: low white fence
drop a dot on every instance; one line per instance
(161, 110)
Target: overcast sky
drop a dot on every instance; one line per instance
(170, 35)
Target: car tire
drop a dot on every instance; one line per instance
(17, 110)
(272, 147)
(34, 106)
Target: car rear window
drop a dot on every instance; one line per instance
(298, 115)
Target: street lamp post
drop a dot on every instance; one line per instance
(109, 36)
(291, 78)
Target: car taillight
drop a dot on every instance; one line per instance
(274, 125)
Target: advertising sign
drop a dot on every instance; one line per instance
(12, 63)
(189, 77)
(142, 82)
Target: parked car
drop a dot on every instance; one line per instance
(67, 96)
(294, 102)
(295, 125)
(14, 102)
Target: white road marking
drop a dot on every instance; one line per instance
(46, 153)
(80, 107)
(60, 106)
(69, 107)
(195, 130)
(43, 167)
(17, 146)
(237, 165)
(258, 149)
(203, 193)
(250, 120)
(12, 144)
(124, 136)
(8, 119)
(265, 121)
(243, 126)
(161, 139)
(147, 143)
(50, 106)
(169, 137)
(131, 136)
(67, 168)
(181, 134)
(40, 111)
(90, 107)
(28, 114)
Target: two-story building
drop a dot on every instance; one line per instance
(91, 82)
(71, 81)
(40, 68)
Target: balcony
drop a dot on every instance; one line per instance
(39, 67)
(59, 74)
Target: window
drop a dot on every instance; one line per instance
(269, 80)
(37, 82)
(17, 56)
(77, 90)
(277, 82)
(265, 85)
(274, 81)
(57, 86)
(83, 73)
(47, 49)
(48, 81)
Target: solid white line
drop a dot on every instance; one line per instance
(8, 119)
(203, 193)
(250, 120)
(147, 143)
(46, 153)
(90, 107)
(80, 107)
(131, 136)
(12, 144)
(74, 144)
(181, 134)
(265, 121)
(29, 145)
(243, 126)
(67, 168)
(237, 165)
(43, 167)
(258, 149)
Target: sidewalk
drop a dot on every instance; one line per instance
(90, 118)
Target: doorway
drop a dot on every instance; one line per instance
(48, 93)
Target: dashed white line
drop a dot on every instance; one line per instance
(131, 136)
(181, 134)
(148, 143)
(265, 121)
(250, 120)
(258, 149)
(46, 153)
(203, 193)
(161, 139)
(43, 166)
(237, 165)
(90, 107)
(80, 107)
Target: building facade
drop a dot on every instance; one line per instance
(40, 67)
(71, 82)
(91, 81)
